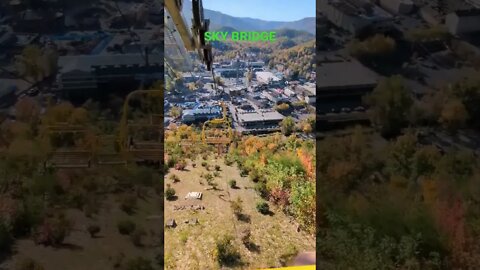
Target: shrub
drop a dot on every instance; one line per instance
(227, 254)
(261, 188)
(180, 166)
(254, 175)
(194, 165)
(77, 199)
(171, 162)
(93, 230)
(245, 236)
(128, 203)
(126, 227)
(91, 206)
(263, 207)
(117, 260)
(216, 174)
(204, 164)
(236, 206)
(30, 215)
(137, 237)
(232, 183)
(53, 230)
(139, 263)
(243, 172)
(228, 162)
(170, 193)
(217, 168)
(174, 178)
(208, 177)
(28, 264)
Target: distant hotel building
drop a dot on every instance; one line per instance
(398, 6)
(229, 72)
(307, 93)
(201, 115)
(100, 75)
(355, 16)
(463, 22)
(259, 122)
(340, 79)
(267, 77)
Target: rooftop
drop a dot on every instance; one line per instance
(205, 111)
(339, 74)
(360, 8)
(310, 87)
(468, 12)
(260, 116)
(266, 75)
(87, 62)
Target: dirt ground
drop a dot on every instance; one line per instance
(192, 246)
(80, 251)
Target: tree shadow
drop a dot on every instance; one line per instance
(235, 187)
(269, 213)
(252, 247)
(69, 246)
(173, 198)
(244, 217)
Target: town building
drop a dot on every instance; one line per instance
(7, 94)
(99, 75)
(430, 15)
(266, 77)
(475, 3)
(463, 22)
(236, 90)
(229, 72)
(341, 79)
(7, 38)
(398, 6)
(307, 93)
(259, 122)
(355, 16)
(199, 115)
(258, 64)
(31, 21)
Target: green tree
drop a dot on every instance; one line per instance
(454, 115)
(287, 126)
(390, 103)
(176, 112)
(374, 48)
(29, 63)
(418, 35)
(236, 206)
(226, 253)
(169, 193)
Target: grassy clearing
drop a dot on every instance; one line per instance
(80, 251)
(274, 237)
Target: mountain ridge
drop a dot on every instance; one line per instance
(219, 19)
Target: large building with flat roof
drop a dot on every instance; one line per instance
(259, 121)
(201, 114)
(463, 22)
(355, 16)
(82, 75)
(266, 77)
(351, 78)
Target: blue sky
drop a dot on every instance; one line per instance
(269, 10)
